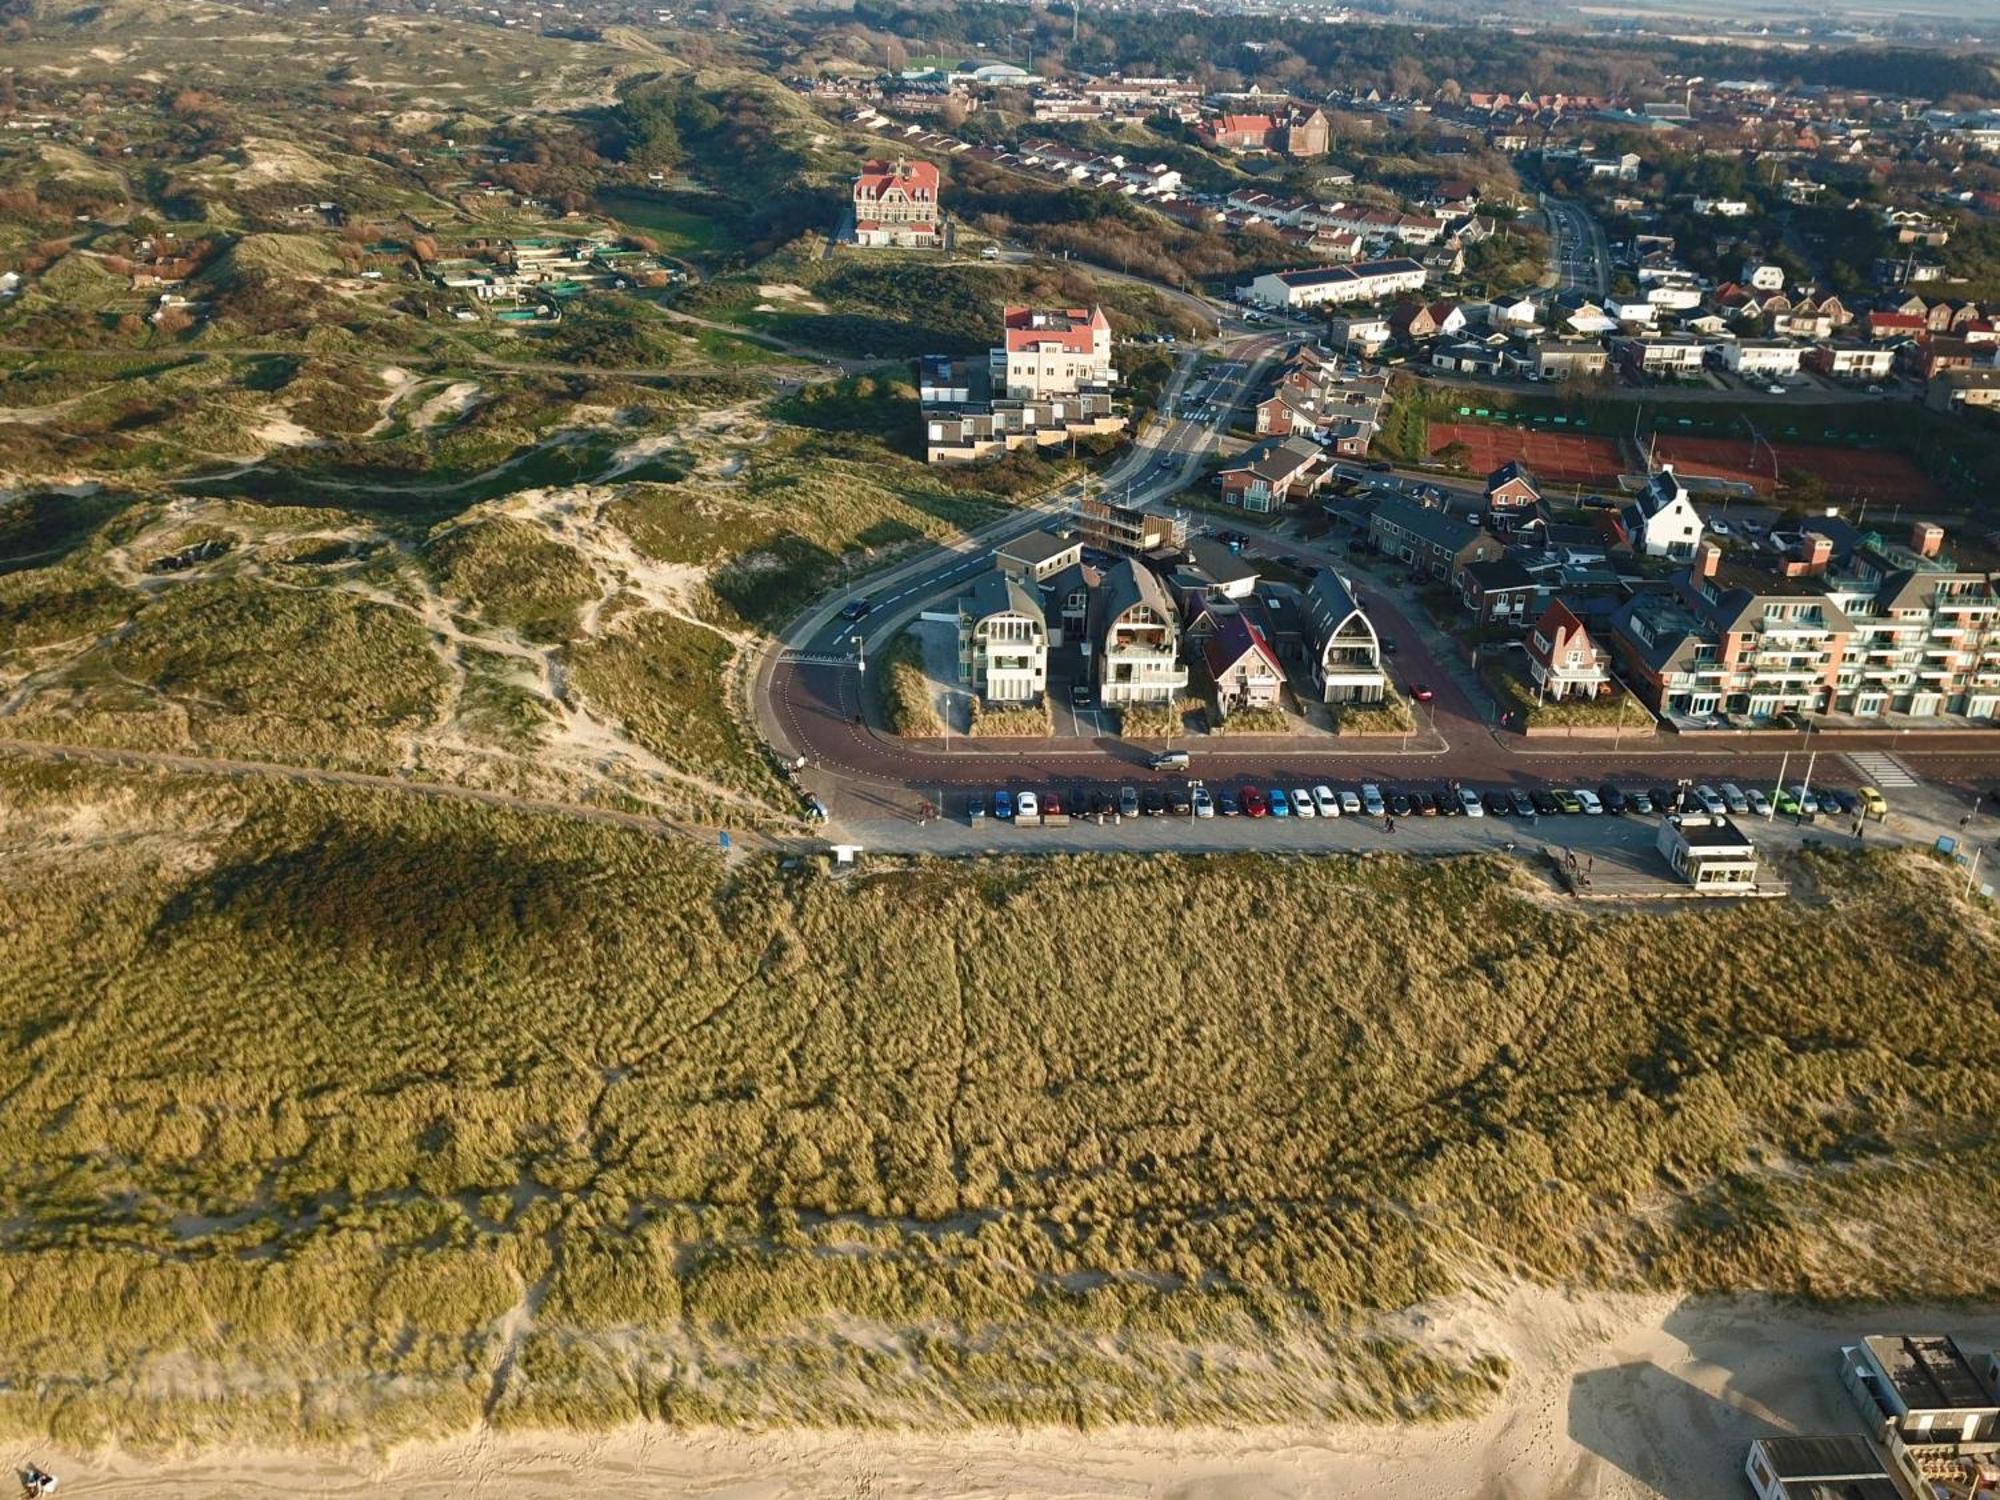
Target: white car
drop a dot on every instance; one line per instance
(1325, 802)
(1589, 799)
(1027, 806)
(1302, 803)
(1204, 805)
(1350, 802)
(1371, 800)
(1474, 808)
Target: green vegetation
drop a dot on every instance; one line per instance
(903, 689)
(1391, 716)
(514, 574)
(384, 1114)
(1155, 721)
(1502, 674)
(1013, 721)
(1248, 721)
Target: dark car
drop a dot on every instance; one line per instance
(1253, 802)
(1524, 805)
(1498, 805)
(1377, 466)
(1399, 804)
(1151, 803)
(1847, 802)
(1103, 804)
(1079, 695)
(1545, 805)
(1664, 799)
(1639, 801)
(1053, 805)
(1421, 692)
(1614, 800)
(1226, 803)
(1179, 803)
(1079, 799)
(1128, 801)
(1427, 802)
(1448, 804)
(858, 609)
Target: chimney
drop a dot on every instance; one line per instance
(1707, 558)
(1815, 551)
(1926, 538)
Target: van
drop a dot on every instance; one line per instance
(1170, 760)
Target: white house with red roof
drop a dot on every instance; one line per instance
(1563, 661)
(1052, 352)
(896, 203)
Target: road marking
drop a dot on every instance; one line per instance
(1880, 770)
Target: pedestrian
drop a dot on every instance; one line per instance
(1589, 865)
(1388, 824)
(1857, 829)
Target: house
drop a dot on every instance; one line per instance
(1660, 520)
(1763, 276)
(1425, 320)
(1052, 352)
(1241, 667)
(1435, 544)
(1003, 647)
(1037, 556)
(1895, 325)
(1272, 474)
(1818, 1468)
(1955, 390)
(896, 203)
(1469, 357)
(1216, 571)
(1919, 1391)
(1365, 333)
(1722, 208)
(1563, 361)
(1135, 638)
(1499, 591)
(1511, 487)
(1711, 854)
(1110, 527)
(1661, 354)
(1762, 357)
(1066, 603)
(1851, 361)
(1346, 652)
(1563, 661)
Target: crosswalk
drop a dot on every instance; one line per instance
(1880, 770)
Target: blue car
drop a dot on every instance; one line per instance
(1003, 805)
(1281, 807)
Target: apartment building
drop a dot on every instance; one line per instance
(1762, 357)
(896, 204)
(1346, 652)
(1003, 640)
(1323, 286)
(1108, 526)
(1056, 352)
(1926, 630)
(1135, 638)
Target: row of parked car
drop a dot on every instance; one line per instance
(1449, 799)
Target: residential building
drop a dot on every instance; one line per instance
(1711, 854)
(1434, 543)
(1135, 638)
(1499, 591)
(1563, 361)
(1764, 276)
(1365, 334)
(1512, 487)
(1851, 361)
(1760, 358)
(1722, 208)
(1818, 1468)
(1052, 352)
(1037, 556)
(1322, 286)
(1925, 629)
(1066, 603)
(1923, 1405)
(1661, 354)
(1563, 661)
(1424, 320)
(1955, 390)
(1660, 520)
(1346, 654)
(1274, 473)
(1242, 669)
(1110, 527)
(1003, 647)
(896, 203)
(1215, 571)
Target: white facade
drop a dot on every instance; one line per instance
(1752, 357)
(1368, 282)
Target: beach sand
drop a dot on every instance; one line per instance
(1612, 1397)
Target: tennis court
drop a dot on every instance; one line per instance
(1848, 473)
(1555, 457)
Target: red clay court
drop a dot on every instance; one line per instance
(1557, 457)
(1848, 473)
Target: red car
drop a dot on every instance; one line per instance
(1254, 804)
(1421, 693)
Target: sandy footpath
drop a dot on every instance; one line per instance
(1613, 1397)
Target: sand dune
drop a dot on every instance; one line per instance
(1613, 1397)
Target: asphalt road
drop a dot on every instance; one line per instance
(1578, 254)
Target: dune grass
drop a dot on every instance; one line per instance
(334, 1113)
(904, 690)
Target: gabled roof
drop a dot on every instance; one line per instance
(1331, 604)
(1128, 584)
(1492, 575)
(1235, 638)
(1219, 563)
(1277, 459)
(996, 593)
(1035, 547)
(1427, 522)
(1509, 472)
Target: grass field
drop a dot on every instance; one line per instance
(335, 1113)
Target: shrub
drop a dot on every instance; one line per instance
(904, 689)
